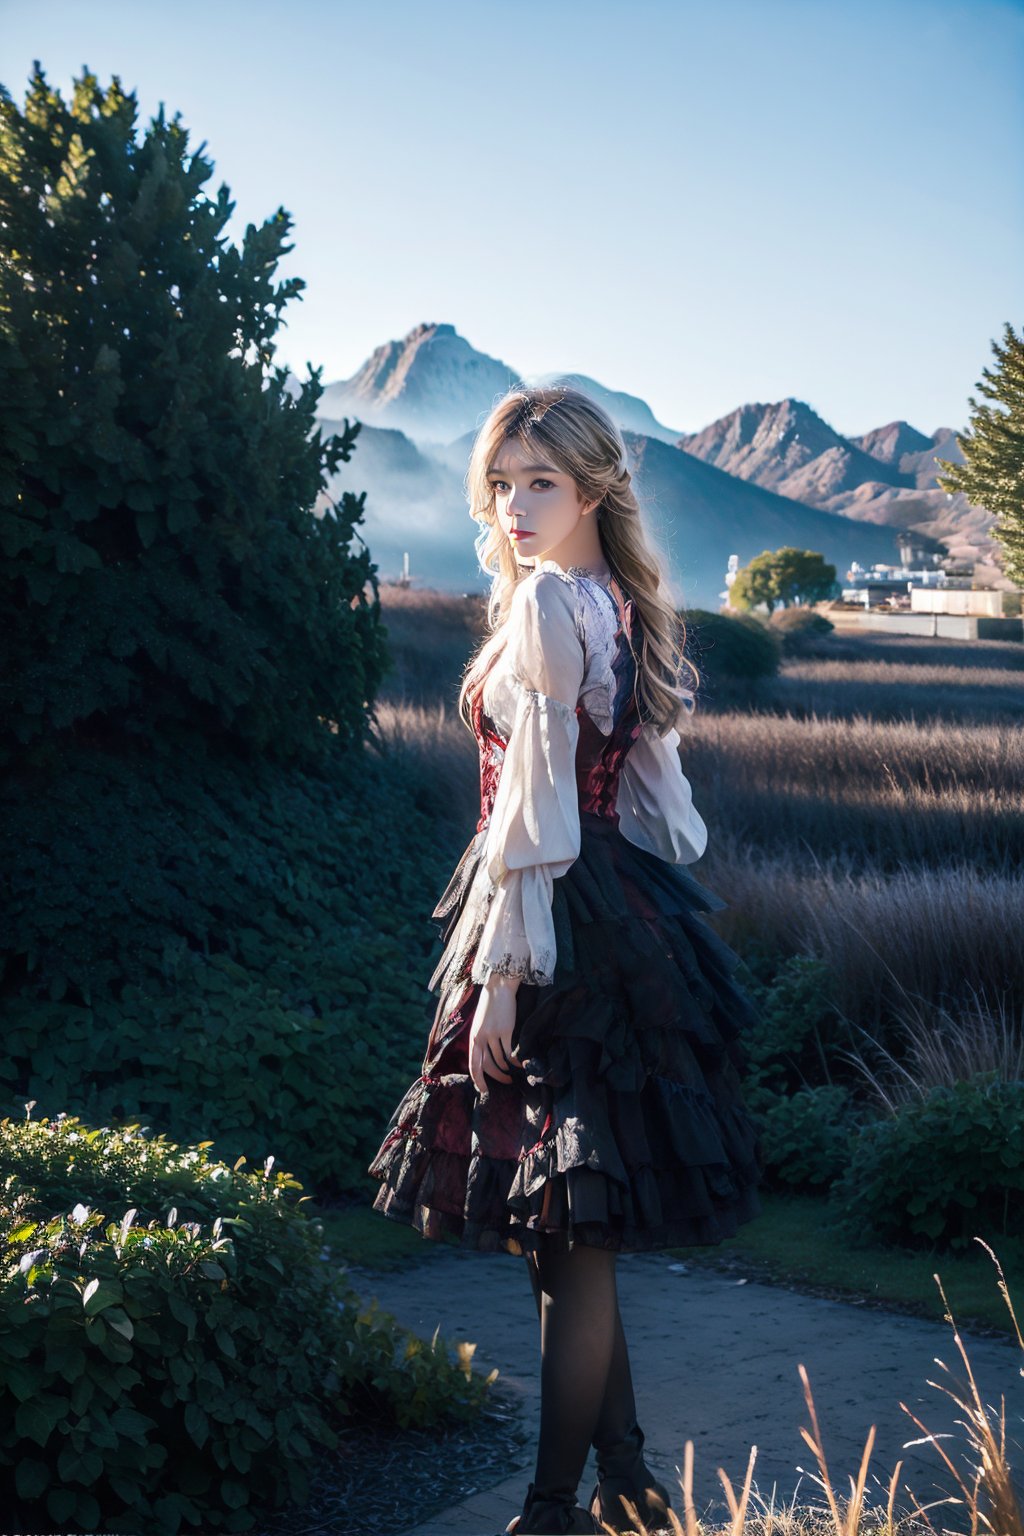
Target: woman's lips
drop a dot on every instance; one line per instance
(521, 533)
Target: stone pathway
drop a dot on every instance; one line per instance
(715, 1361)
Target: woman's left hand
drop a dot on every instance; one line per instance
(490, 1037)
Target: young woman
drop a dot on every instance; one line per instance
(581, 1089)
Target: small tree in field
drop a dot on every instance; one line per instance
(162, 576)
(992, 475)
(781, 577)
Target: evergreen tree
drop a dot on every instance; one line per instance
(992, 475)
(162, 575)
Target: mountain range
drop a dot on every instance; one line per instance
(762, 476)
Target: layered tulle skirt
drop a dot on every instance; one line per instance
(624, 1125)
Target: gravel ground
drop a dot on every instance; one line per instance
(376, 1479)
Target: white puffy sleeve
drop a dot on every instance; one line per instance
(654, 801)
(534, 831)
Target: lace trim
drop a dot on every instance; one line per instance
(540, 975)
(601, 628)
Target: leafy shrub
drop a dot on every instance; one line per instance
(798, 1031)
(731, 648)
(176, 1352)
(806, 1136)
(800, 629)
(940, 1169)
(242, 956)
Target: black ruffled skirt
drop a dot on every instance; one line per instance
(624, 1126)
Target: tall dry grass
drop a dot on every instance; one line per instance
(878, 824)
(925, 650)
(869, 794)
(922, 936)
(988, 1498)
(940, 1047)
(893, 691)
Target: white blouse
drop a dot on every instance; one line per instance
(559, 652)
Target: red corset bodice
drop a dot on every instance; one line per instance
(599, 758)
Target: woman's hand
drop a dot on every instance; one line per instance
(490, 1037)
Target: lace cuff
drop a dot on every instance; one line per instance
(518, 937)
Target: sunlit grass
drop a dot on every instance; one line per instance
(918, 937)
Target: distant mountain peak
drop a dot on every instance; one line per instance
(434, 386)
(787, 447)
(888, 444)
(429, 384)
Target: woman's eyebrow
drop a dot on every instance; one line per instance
(528, 469)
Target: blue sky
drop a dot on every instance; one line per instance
(703, 204)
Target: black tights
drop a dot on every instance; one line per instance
(586, 1388)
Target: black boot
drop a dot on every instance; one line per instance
(621, 1470)
(552, 1512)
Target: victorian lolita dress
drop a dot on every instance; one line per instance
(624, 1124)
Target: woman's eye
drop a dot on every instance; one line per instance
(502, 485)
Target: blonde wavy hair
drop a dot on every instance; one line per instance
(567, 428)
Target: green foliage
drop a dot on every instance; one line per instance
(992, 475)
(162, 576)
(799, 1027)
(783, 576)
(806, 1136)
(940, 1169)
(176, 1352)
(805, 1117)
(218, 954)
(731, 647)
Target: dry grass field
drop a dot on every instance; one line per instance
(865, 805)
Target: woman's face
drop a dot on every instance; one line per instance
(538, 506)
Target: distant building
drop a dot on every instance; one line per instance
(919, 549)
(988, 602)
(889, 586)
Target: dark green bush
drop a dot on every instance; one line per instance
(242, 956)
(940, 1170)
(799, 1029)
(793, 1057)
(175, 1351)
(730, 648)
(163, 577)
(806, 1136)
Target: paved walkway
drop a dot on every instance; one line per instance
(715, 1360)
